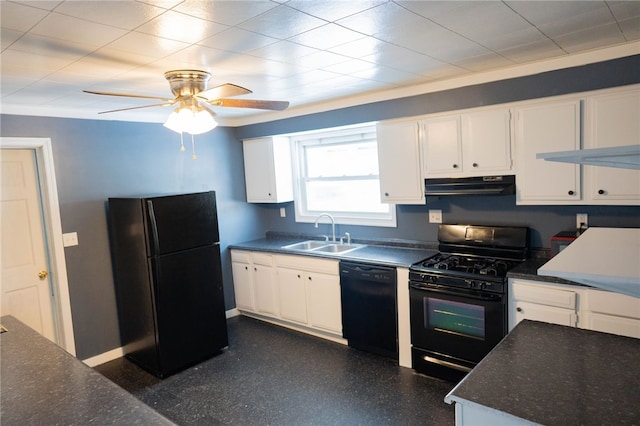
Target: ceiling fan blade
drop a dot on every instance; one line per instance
(138, 107)
(223, 91)
(127, 95)
(251, 103)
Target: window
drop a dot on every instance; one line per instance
(336, 172)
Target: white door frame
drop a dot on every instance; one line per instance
(53, 230)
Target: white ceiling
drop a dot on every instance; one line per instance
(309, 52)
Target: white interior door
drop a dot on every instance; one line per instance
(24, 273)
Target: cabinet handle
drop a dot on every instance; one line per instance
(455, 166)
(519, 309)
(255, 269)
(386, 194)
(571, 192)
(298, 275)
(246, 268)
(309, 278)
(601, 191)
(269, 194)
(475, 164)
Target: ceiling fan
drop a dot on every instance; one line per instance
(190, 90)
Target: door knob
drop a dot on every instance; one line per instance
(43, 274)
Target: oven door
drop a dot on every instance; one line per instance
(460, 324)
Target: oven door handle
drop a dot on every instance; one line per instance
(462, 293)
(446, 364)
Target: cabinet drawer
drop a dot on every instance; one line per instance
(629, 327)
(550, 314)
(262, 259)
(544, 295)
(606, 302)
(308, 264)
(240, 256)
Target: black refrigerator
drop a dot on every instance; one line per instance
(166, 260)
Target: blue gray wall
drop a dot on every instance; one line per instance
(97, 159)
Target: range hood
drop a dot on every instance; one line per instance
(480, 185)
(625, 157)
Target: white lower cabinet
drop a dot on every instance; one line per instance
(574, 306)
(541, 302)
(298, 291)
(612, 313)
(254, 282)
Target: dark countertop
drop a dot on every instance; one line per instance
(557, 375)
(378, 254)
(528, 270)
(44, 385)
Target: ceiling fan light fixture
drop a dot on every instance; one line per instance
(191, 119)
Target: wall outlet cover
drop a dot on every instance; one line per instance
(70, 239)
(435, 216)
(582, 220)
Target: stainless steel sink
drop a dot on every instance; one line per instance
(323, 247)
(306, 245)
(338, 248)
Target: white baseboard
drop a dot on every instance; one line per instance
(104, 357)
(119, 352)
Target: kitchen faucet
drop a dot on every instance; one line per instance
(333, 225)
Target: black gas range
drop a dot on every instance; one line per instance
(458, 297)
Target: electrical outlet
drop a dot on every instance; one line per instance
(70, 239)
(582, 220)
(283, 212)
(435, 216)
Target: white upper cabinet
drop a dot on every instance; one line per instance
(547, 127)
(470, 144)
(267, 170)
(612, 120)
(401, 179)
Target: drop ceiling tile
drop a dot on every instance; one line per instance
(283, 51)
(549, 12)
(484, 62)
(72, 29)
(326, 37)
(44, 4)
(322, 59)
(360, 48)
(532, 51)
(237, 40)
(630, 28)
(194, 57)
(147, 45)
(352, 67)
(107, 63)
(225, 12)
(591, 38)
(382, 21)
(281, 22)
(593, 17)
(513, 38)
(47, 46)
(19, 17)
(331, 11)
(180, 27)
(8, 37)
(120, 14)
(16, 61)
(623, 10)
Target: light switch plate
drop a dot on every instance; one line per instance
(435, 216)
(283, 212)
(70, 239)
(582, 220)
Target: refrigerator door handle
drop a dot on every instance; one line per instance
(154, 228)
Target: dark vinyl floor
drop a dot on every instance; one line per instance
(275, 376)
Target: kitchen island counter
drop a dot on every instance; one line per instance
(553, 375)
(44, 385)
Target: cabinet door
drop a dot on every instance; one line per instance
(629, 327)
(486, 142)
(267, 170)
(442, 150)
(547, 127)
(613, 120)
(399, 163)
(550, 314)
(293, 303)
(323, 300)
(243, 286)
(265, 289)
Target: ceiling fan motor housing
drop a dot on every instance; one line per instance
(187, 83)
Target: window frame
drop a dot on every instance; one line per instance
(340, 135)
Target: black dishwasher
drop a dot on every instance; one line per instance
(369, 308)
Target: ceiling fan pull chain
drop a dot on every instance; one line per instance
(182, 148)
(193, 148)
